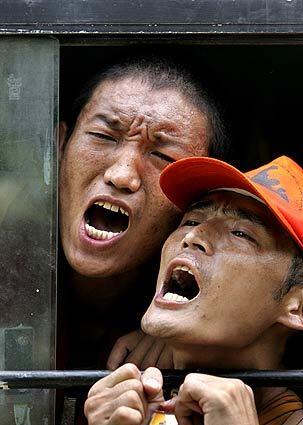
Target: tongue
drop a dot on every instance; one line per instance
(103, 219)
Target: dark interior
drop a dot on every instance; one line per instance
(260, 88)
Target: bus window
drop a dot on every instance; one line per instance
(28, 112)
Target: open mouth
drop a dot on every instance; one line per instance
(104, 220)
(181, 286)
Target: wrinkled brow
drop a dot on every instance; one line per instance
(113, 122)
(237, 213)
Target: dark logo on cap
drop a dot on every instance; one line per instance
(264, 179)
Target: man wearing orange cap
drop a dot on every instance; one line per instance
(229, 295)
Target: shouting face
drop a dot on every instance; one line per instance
(113, 216)
(220, 274)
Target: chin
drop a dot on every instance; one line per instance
(148, 326)
(153, 325)
(88, 268)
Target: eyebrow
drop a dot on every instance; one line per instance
(234, 212)
(244, 215)
(201, 205)
(114, 123)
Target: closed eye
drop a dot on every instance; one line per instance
(102, 136)
(163, 156)
(243, 235)
(190, 223)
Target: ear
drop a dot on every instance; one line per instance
(292, 309)
(61, 132)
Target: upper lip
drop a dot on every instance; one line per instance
(112, 200)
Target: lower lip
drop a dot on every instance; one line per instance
(169, 304)
(99, 243)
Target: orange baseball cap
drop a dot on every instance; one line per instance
(278, 184)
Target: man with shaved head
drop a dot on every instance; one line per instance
(229, 295)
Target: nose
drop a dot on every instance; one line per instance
(123, 173)
(196, 239)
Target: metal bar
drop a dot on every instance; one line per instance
(172, 378)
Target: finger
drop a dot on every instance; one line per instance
(122, 348)
(138, 353)
(126, 416)
(168, 406)
(183, 411)
(129, 393)
(152, 356)
(196, 388)
(131, 385)
(186, 402)
(152, 381)
(125, 372)
(132, 400)
(165, 360)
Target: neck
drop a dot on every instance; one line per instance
(259, 356)
(264, 353)
(103, 294)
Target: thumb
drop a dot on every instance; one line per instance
(152, 381)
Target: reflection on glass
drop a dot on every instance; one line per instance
(28, 107)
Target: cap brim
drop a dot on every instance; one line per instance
(184, 181)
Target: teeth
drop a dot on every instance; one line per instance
(169, 296)
(99, 234)
(111, 207)
(99, 203)
(184, 268)
(107, 205)
(122, 210)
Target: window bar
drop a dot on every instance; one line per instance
(172, 378)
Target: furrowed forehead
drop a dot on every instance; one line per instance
(238, 212)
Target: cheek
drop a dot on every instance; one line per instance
(236, 282)
(161, 211)
(79, 166)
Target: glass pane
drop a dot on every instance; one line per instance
(28, 113)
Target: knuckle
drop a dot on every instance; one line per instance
(122, 414)
(91, 412)
(92, 404)
(89, 405)
(241, 386)
(190, 377)
(234, 386)
(186, 386)
(249, 390)
(120, 342)
(133, 397)
(131, 370)
(93, 418)
(94, 389)
(137, 385)
(231, 391)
